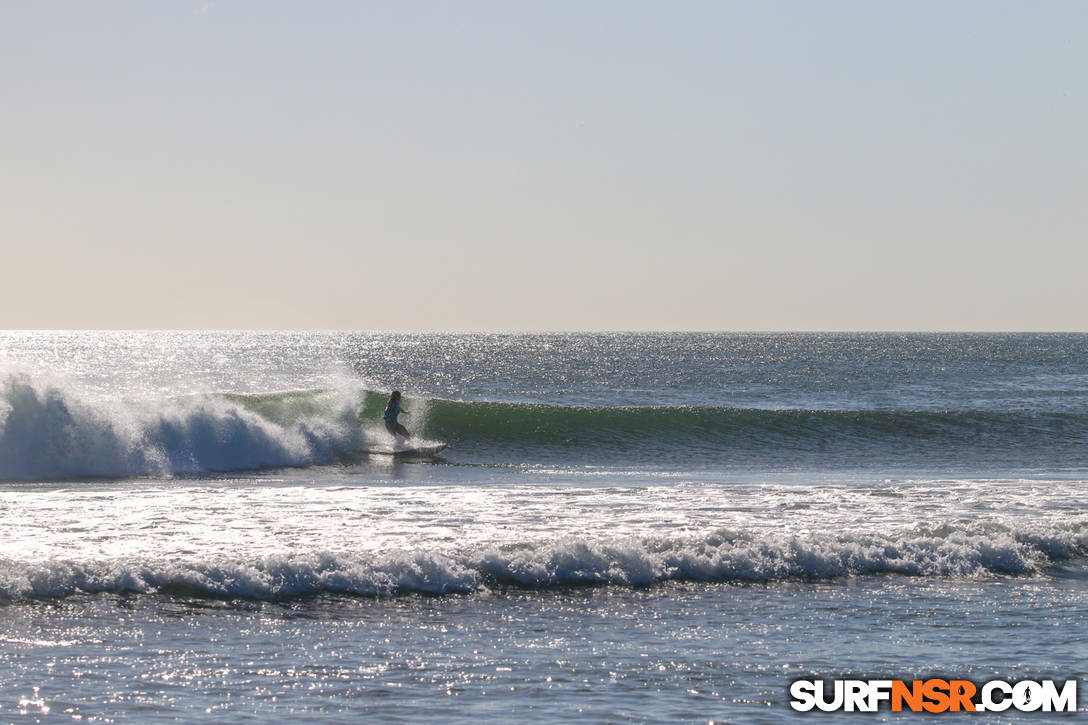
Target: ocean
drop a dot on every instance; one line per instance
(658, 527)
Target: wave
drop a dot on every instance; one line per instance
(536, 424)
(979, 550)
(49, 430)
(536, 433)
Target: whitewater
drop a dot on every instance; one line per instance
(624, 528)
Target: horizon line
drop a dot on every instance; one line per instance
(554, 331)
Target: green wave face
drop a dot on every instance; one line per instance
(525, 432)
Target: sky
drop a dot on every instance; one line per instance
(550, 165)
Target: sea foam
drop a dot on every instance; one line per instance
(971, 551)
(50, 430)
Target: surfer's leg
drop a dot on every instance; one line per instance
(403, 431)
(389, 426)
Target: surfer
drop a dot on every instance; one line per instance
(392, 410)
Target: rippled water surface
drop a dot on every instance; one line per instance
(624, 528)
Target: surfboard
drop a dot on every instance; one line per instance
(399, 451)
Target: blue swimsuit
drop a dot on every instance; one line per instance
(391, 412)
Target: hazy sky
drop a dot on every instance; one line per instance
(551, 165)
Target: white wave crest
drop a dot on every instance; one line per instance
(50, 431)
(972, 552)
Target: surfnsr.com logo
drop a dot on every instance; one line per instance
(933, 695)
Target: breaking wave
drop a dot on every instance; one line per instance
(983, 549)
(48, 431)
